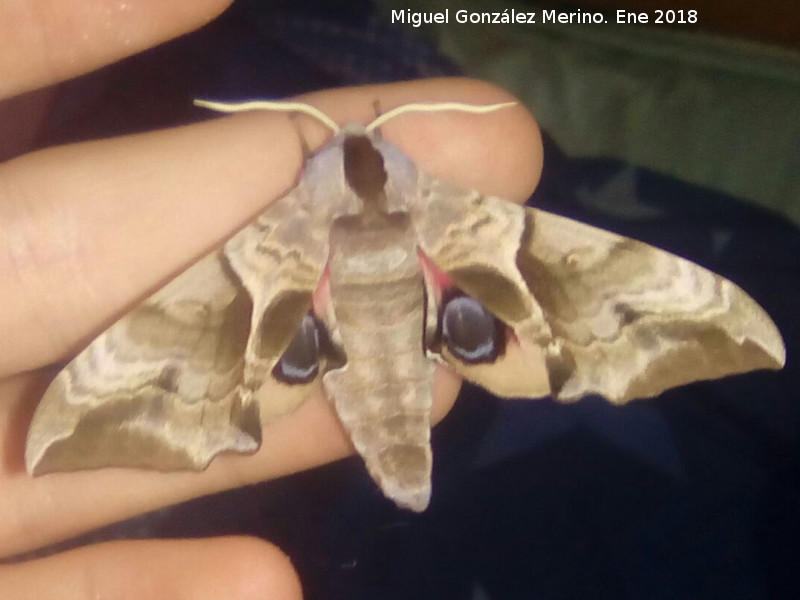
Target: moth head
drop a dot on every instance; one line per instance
(364, 169)
(364, 152)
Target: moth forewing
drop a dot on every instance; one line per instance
(159, 388)
(380, 267)
(631, 320)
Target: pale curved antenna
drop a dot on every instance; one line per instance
(436, 107)
(300, 107)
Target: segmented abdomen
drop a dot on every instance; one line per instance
(383, 393)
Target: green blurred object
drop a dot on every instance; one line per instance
(712, 111)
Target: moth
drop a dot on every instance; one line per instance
(362, 278)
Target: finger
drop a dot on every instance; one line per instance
(44, 509)
(36, 511)
(86, 230)
(45, 41)
(231, 568)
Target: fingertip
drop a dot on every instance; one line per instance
(252, 569)
(46, 41)
(235, 568)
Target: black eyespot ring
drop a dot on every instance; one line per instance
(300, 361)
(471, 333)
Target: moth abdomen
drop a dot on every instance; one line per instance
(377, 287)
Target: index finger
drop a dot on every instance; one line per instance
(46, 41)
(225, 165)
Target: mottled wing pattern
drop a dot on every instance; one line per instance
(629, 320)
(474, 240)
(189, 372)
(280, 258)
(157, 389)
(589, 311)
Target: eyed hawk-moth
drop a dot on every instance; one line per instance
(361, 279)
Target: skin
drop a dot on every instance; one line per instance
(88, 229)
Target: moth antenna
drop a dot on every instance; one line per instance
(296, 107)
(436, 107)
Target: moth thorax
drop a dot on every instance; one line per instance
(364, 171)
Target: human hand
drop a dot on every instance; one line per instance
(87, 230)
